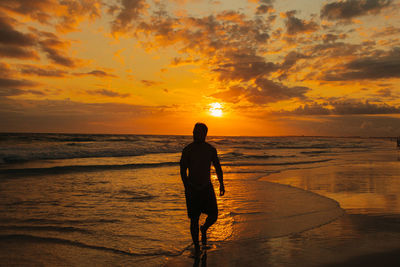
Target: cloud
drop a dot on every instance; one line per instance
(355, 125)
(233, 95)
(76, 11)
(348, 9)
(37, 10)
(243, 67)
(17, 52)
(68, 107)
(263, 9)
(109, 93)
(234, 48)
(295, 25)
(215, 37)
(16, 91)
(11, 85)
(58, 58)
(73, 116)
(334, 49)
(349, 108)
(5, 83)
(128, 12)
(262, 92)
(150, 83)
(64, 15)
(42, 71)
(228, 44)
(380, 66)
(291, 59)
(231, 16)
(313, 109)
(15, 44)
(385, 92)
(331, 38)
(387, 31)
(97, 73)
(5, 69)
(10, 36)
(177, 61)
(268, 91)
(55, 48)
(342, 108)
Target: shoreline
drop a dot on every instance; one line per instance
(367, 233)
(251, 231)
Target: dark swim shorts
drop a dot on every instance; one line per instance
(201, 201)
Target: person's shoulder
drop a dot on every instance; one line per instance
(187, 147)
(211, 147)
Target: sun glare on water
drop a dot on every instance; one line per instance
(216, 109)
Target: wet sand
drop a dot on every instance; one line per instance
(309, 248)
(280, 212)
(367, 234)
(390, 258)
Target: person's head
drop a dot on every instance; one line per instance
(200, 132)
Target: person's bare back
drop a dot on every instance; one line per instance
(197, 157)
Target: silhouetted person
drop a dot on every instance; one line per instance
(199, 191)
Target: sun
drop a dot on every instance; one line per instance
(216, 109)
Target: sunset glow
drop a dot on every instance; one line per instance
(216, 109)
(279, 67)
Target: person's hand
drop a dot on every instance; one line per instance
(221, 190)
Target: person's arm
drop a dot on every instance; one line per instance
(184, 167)
(220, 175)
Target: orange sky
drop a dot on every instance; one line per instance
(248, 67)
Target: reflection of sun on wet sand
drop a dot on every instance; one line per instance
(277, 210)
(287, 210)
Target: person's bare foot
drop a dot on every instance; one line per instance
(197, 251)
(203, 235)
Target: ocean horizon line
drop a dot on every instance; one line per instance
(189, 135)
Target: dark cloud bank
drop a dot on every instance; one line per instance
(343, 108)
(348, 9)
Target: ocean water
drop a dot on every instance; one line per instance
(73, 199)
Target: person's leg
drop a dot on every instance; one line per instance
(211, 209)
(194, 230)
(211, 219)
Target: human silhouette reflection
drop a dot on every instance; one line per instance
(199, 191)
